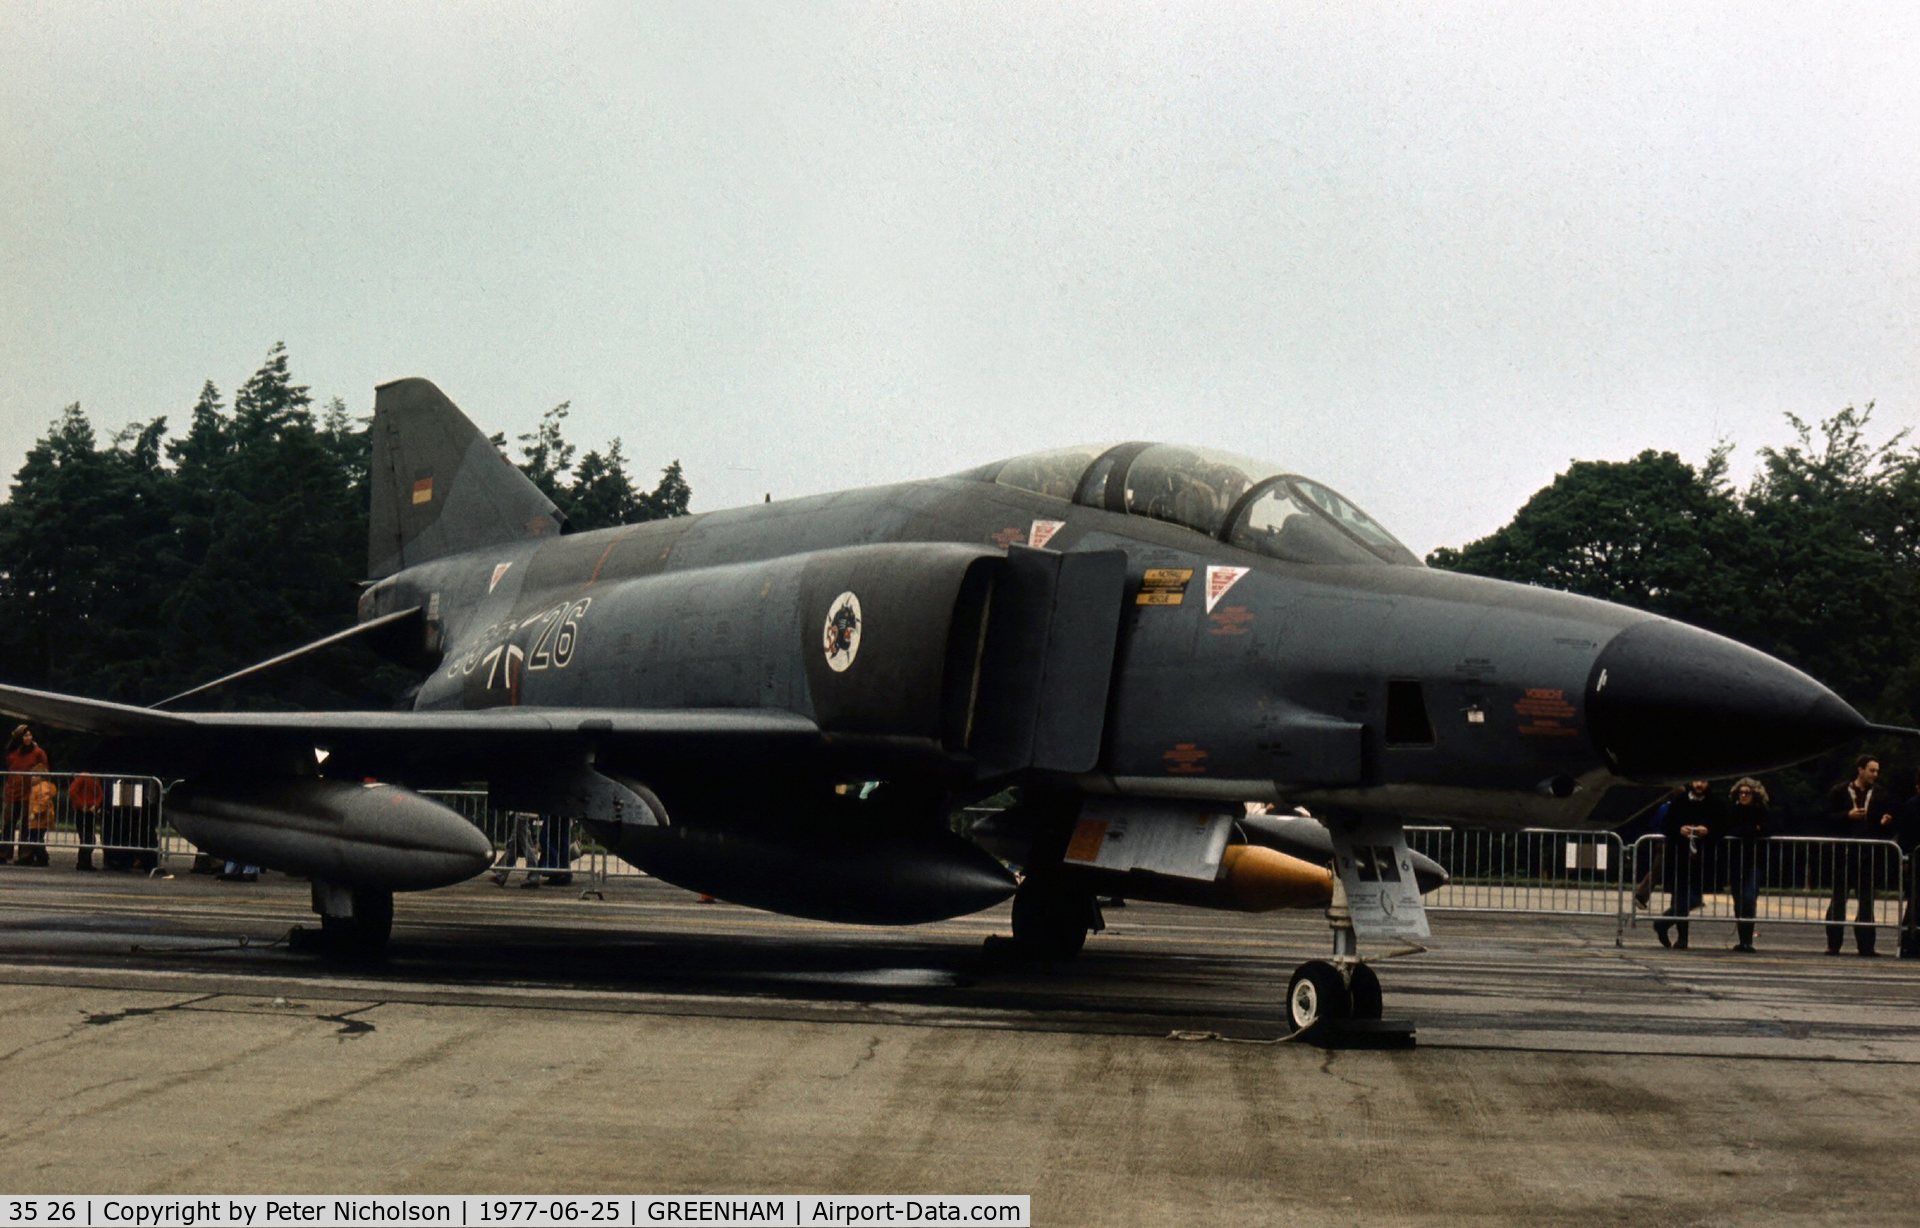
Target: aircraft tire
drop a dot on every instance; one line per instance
(364, 935)
(1316, 994)
(1363, 990)
(1049, 921)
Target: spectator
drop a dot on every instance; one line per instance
(519, 844)
(1643, 824)
(86, 796)
(1857, 809)
(556, 852)
(1737, 841)
(24, 756)
(1683, 820)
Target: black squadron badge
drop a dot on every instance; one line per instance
(842, 632)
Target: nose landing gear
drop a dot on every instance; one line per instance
(1337, 1002)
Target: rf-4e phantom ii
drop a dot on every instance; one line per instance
(783, 705)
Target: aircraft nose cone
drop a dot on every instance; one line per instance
(1670, 703)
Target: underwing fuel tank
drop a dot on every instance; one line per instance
(365, 835)
(857, 878)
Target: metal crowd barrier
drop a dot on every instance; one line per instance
(1579, 873)
(532, 848)
(1791, 880)
(46, 817)
(1780, 880)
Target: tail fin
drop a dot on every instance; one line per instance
(439, 487)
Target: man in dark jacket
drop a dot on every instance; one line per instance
(1685, 821)
(1857, 809)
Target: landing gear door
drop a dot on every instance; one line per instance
(1376, 872)
(1119, 835)
(1053, 621)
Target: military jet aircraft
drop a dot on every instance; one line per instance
(782, 705)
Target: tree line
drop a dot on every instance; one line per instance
(135, 568)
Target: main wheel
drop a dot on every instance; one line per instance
(363, 935)
(1051, 921)
(1363, 990)
(1316, 994)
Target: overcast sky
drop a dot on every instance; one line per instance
(1428, 254)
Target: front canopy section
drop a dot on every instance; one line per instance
(1247, 503)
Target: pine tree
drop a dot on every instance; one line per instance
(670, 498)
(602, 493)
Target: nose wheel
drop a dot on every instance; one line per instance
(1363, 990)
(1323, 995)
(1316, 996)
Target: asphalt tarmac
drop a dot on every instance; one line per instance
(160, 1036)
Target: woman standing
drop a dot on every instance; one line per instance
(1743, 829)
(24, 756)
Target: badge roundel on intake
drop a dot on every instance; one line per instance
(841, 636)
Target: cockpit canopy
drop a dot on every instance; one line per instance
(1237, 500)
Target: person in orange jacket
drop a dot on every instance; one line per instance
(22, 842)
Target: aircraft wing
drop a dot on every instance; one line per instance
(481, 731)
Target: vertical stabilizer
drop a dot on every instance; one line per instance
(439, 487)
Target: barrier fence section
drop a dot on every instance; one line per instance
(532, 848)
(1793, 880)
(45, 815)
(1537, 870)
(1790, 880)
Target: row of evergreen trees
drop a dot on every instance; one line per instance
(136, 568)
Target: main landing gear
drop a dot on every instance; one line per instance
(355, 922)
(1051, 920)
